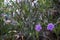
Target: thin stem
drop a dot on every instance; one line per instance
(37, 36)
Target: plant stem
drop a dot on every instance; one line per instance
(37, 36)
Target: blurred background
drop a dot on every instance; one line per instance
(29, 19)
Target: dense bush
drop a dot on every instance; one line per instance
(29, 20)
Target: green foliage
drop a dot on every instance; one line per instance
(27, 19)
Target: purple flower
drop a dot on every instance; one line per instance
(38, 27)
(50, 26)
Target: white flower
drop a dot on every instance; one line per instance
(32, 4)
(18, 12)
(19, 1)
(8, 21)
(35, 1)
(6, 1)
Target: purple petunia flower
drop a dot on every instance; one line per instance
(38, 27)
(50, 26)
